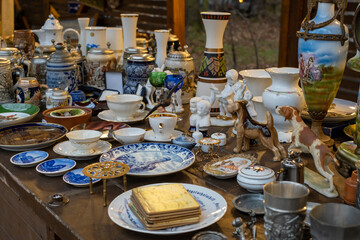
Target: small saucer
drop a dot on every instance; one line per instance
(150, 136)
(29, 158)
(78, 179)
(67, 149)
(55, 167)
(110, 116)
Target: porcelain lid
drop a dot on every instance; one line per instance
(8, 51)
(101, 51)
(60, 55)
(52, 24)
(141, 58)
(180, 55)
(256, 172)
(45, 49)
(133, 50)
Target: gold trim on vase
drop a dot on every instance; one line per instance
(132, 15)
(214, 50)
(211, 81)
(215, 16)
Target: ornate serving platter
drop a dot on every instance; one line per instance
(30, 136)
(15, 113)
(151, 159)
(213, 207)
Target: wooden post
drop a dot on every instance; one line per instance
(7, 17)
(176, 18)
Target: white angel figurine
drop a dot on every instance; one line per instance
(193, 109)
(203, 115)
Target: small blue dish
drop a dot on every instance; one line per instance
(55, 167)
(77, 178)
(185, 141)
(29, 158)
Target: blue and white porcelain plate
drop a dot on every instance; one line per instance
(213, 207)
(77, 178)
(151, 159)
(29, 158)
(55, 167)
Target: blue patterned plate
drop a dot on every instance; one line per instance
(29, 158)
(213, 207)
(78, 179)
(151, 159)
(55, 167)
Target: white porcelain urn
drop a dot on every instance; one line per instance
(284, 90)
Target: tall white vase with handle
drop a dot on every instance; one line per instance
(83, 23)
(161, 37)
(129, 22)
(284, 90)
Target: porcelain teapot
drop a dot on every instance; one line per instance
(52, 29)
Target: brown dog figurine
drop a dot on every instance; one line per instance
(247, 129)
(304, 138)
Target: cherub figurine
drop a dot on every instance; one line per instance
(203, 115)
(193, 109)
(227, 94)
(250, 105)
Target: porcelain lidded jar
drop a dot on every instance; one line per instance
(138, 69)
(61, 69)
(181, 62)
(98, 61)
(284, 90)
(253, 178)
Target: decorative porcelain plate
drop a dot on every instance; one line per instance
(151, 159)
(67, 112)
(67, 149)
(228, 166)
(110, 116)
(340, 110)
(78, 179)
(29, 158)
(15, 113)
(249, 202)
(105, 127)
(150, 136)
(213, 207)
(30, 136)
(55, 167)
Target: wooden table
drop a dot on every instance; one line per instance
(24, 195)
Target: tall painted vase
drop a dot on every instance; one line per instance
(323, 47)
(213, 67)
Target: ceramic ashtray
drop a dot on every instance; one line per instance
(29, 158)
(228, 166)
(253, 178)
(55, 167)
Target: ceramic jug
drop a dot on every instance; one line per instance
(52, 29)
(62, 72)
(61, 98)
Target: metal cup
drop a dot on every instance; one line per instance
(285, 210)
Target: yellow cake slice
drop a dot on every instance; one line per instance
(165, 198)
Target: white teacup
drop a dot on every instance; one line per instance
(84, 140)
(125, 106)
(163, 124)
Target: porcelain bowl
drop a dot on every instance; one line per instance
(125, 105)
(129, 135)
(253, 178)
(84, 140)
(67, 116)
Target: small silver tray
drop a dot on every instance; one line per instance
(247, 202)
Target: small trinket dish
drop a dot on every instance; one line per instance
(185, 141)
(221, 137)
(209, 235)
(208, 144)
(129, 135)
(228, 166)
(55, 167)
(29, 158)
(250, 202)
(77, 178)
(253, 178)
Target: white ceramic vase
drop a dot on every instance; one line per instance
(129, 22)
(284, 90)
(83, 23)
(161, 37)
(114, 36)
(95, 37)
(256, 80)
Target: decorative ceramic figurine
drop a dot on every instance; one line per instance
(304, 138)
(322, 53)
(250, 105)
(193, 110)
(239, 89)
(213, 67)
(284, 90)
(203, 115)
(52, 29)
(247, 129)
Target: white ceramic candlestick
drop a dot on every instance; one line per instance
(129, 22)
(161, 37)
(83, 23)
